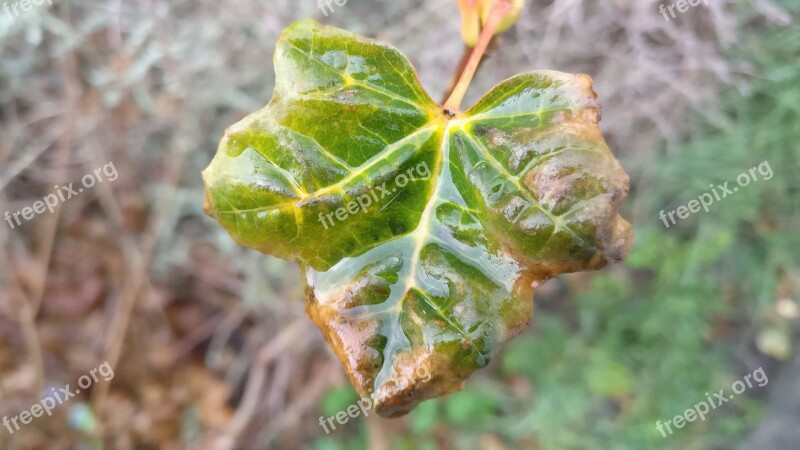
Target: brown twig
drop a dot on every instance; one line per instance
(29, 305)
(72, 92)
(255, 382)
(301, 404)
(139, 278)
(27, 321)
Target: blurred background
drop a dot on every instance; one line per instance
(208, 341)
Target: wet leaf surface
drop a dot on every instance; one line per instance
(421, 235)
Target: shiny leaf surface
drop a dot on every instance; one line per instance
(421, 236)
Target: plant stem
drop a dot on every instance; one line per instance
(462, 63)
(498, 12)
(460, 68)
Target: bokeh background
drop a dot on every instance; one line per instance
(209, 342)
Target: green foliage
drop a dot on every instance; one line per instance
(712, 271)
(415, 291)
(468, 407)
(329, 443)
(425, 416)
(645, 344)
(606, 377)
(338, 399)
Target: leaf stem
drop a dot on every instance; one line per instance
(462, 63)
(499, 10)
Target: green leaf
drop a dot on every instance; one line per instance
(338, 399)
(421, 235)
(468, 406)
(607, 377)
(425, 417)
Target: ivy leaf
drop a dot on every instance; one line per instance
(421, 234)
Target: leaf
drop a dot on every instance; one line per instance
(469, 406)
(421, 236)
(424, 417)
(338, 399)
(607, 377)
